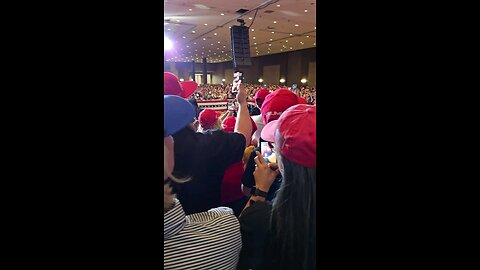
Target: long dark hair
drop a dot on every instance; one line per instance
(293, 244)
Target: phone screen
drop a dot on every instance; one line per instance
(266, 151)
(237, 80)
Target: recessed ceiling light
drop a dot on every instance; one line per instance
(222, 14)
(308, 36)
(255, 43)
(188, 46)
(306, 10)
(314, 43)
(271, 39)
(215, 34)
(253, 37)
(250, 18)
(286, 40)
(189, 9)
(269, 44)
(169, 29)
(195, 43)
(193, 31)
(183, 37)
(205, 24)
(315, 28)
(291, 48)
(291, 34)
(274, 21)
(229, 27)
(204, 39)
(296, 25)
(273, 32)
(253, 29)
(218, 41)
(278, 5)
(177, 20)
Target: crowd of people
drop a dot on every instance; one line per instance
(223, 91)
(239, 191)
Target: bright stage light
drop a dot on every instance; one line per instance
(303, 80)
(167, 45)
(282, 80)
(260, 80)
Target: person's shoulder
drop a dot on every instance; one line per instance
(219, 217)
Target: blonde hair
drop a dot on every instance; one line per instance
(167, 189)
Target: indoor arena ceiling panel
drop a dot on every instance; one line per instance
(201, 28)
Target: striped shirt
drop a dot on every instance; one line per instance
(206, 240)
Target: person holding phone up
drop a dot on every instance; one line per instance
(282, 234)
(204, 157)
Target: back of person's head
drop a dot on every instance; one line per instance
(294, 208)
(276, 103)
(208, 119)
(172, 86)
(260, 96)
(178, 113)
(228, 125)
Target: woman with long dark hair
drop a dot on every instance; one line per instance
(283, 235)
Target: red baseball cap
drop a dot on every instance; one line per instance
(301, 100)
(294, 134)
(207, 118)
(261, 94)
(171, 86)
(276, 103)
(229, 124)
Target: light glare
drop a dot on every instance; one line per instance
(167, 45)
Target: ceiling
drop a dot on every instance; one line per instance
(198, 29)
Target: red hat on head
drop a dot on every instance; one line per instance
(301, 100)
(294, 134)
(276, 103)
(171, 86)
(261, 94)
(207, 118)
(229, 124)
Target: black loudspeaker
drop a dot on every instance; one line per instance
(240, 46)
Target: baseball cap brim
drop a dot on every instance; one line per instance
(178, 113)
(188, 88)
(268, 131)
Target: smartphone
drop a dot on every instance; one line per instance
(237, 80)
(266, 151)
